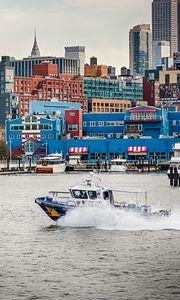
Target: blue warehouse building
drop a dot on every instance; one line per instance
(141, 131)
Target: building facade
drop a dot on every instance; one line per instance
(9, 101)
(24, 67)
(109, 105)
(77, 52)
(164, 22)
(106, 88)
(140, 49)
(47, 84)
(160, 50)
(95, 71)
(104, 135)
(169, 84)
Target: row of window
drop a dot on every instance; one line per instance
(104, 135)
(31, 127)
(176, 122)
(111, 104)
(102, 123)
(108, 110)
(43, 136)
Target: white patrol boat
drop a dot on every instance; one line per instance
(90, 193)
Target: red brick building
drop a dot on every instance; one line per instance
(46, 84)
(149, 91)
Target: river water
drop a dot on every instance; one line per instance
(97, 254)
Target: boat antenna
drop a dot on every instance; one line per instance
(94, 176)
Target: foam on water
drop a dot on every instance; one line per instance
(114, 219)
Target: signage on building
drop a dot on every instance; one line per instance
(170, 92)
(78, 150)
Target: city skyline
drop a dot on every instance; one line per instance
(98, 25)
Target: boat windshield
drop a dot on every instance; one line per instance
(79, 194)
(92, 194)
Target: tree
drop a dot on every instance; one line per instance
(4, 150)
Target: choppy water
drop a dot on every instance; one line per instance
(94, 254)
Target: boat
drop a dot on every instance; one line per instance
(174, 169)
(91, 194)
(118, 165)
(72, 162)
(52, 163)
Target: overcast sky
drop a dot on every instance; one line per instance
(100, 25)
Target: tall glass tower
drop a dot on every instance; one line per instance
(140, 49)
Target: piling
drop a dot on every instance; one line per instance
(171, 176)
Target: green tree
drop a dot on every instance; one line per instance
(4, 150)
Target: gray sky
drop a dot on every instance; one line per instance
(100, 25)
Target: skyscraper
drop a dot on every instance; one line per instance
(35, 49)
(178, 25)
(140, 49)
(164, 22)
(76, 52)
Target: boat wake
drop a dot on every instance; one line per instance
(113, 219)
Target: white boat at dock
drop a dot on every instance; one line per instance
(118, 165)
(52, 163)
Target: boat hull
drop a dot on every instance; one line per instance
(53, 210)
(51, 168)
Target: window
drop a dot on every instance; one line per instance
(178, 78)
(110, 123)
(34, 119)
(43, 136)
(27, 127)
(167, 78)
(17, 127)
(92, 194)
(100, 123)
(19, 136)
(84, 124)
(71, 114)
(27, 119)
(34, 127)
(50, 136)
(72, 127)
(92, 124)
(79, 194)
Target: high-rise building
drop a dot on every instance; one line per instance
(164, 22)
(9, 101)
(160, 50)
(76, 52)
(178, 25)
(140, 49)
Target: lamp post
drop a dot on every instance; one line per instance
(10, 154)
(46, 148)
